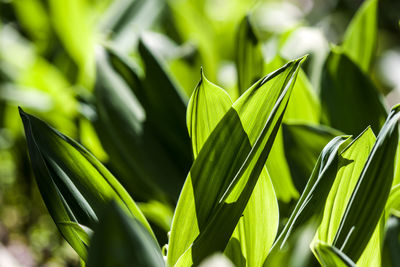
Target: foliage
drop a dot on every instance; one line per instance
(291, 160)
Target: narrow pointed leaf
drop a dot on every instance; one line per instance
(360, 40)
(120, 240)
(350, 101)
(73, 183)
(249, 58)
(216, 191)
(330, 256)
(368, 200)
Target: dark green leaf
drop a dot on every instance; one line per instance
(73, 183)
(120, 240)
(249, 58)
(350, 101)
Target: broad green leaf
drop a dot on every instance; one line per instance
(310, 140)
(216, 191)
(73, 183)
(249, 58)
(330, 256)
(368, 200)
(360, 40)
(350, 101)
(314, 194)
(166, 106)
(120, 240)
(207, 106)
(127, 131)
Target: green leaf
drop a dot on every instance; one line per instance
(125, 20)
(83, 232)
(303, 106)
(350, 101)
(216, 191)
(166, 106)
(73, 183)
(127, 131)
(314, 194)
(330, 256)
(207, 106)
(158, 213)
(310, 140)
(393, 203)
(120, 240)
(351, 163)
(360, 40)
(249, 58)
(368, 200)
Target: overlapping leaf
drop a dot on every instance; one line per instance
(368, 200)
(256, 229)
(315, 193)
(74, 185)
(127, 131)
(227, 168)
(331, 256)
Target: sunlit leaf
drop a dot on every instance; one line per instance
(368, 200)
(331, 256)
(216, 191)
(313, 198)
(207, 106)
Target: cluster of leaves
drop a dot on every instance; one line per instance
(261, 172)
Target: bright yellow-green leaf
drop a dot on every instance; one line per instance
(351, 163)
(256, 230)
(227, 168)
(330, 256)
(368, 200)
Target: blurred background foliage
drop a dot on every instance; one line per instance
(49, 50)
